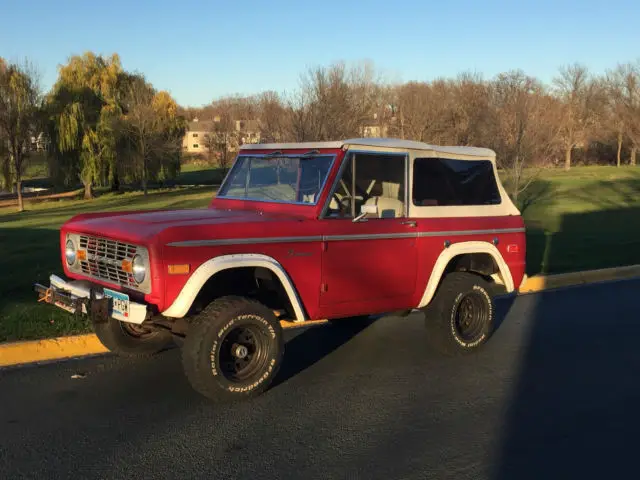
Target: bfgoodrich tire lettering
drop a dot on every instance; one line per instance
(461, 317)
(233, 349)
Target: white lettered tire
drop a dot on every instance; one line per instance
(233, 349)
(461, 317)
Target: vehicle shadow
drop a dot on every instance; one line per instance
(310, 345)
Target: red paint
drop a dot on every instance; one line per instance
(333, 278)
(359, 271)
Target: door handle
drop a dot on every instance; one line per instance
(411, 223)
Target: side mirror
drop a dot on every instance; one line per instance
(365, 210)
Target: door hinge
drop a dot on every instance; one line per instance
(323, 288)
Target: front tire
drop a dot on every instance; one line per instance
(460, 318)
(233, 349)
(131, 340)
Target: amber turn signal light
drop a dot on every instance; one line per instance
(127, 266)
(82, 255)
(181, 269)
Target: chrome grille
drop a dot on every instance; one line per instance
(104, 259)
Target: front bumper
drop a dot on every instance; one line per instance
(81, 296)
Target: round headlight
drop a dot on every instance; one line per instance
(70, 252)
(139, 269)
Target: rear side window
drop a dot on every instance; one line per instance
(447, 182)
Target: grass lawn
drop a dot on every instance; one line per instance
(36, 173)
(191, 174)
(30, 245)
(583, 219)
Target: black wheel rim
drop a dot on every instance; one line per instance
(136, 331)
(243, 353)
(471, 316)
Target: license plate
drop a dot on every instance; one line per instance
(119, 304)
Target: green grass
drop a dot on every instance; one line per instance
(191, 174)
(582, 219)
(30, 245)
(36, 173)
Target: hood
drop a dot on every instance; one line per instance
(142, 225)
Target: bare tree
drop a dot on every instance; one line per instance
(413, 111)
(616, 110)
(20, 102)
(469, 116)
(300, 111)
(578, 115)
(523, 133)
(222, 139)
(334, 102)
(625, 85)
(140, 124)
(5, 159)
(273, 118)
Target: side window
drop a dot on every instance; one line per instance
(370, 179)
(237, 185)
(449, 182)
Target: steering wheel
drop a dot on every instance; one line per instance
(344, 204)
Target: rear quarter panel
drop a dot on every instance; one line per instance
(458, 230)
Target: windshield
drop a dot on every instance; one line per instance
(291, 179)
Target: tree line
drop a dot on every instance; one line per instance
(103, 125)
(579, 115)
(106, 125)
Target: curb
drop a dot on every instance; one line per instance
(541, 283)
(17, 353)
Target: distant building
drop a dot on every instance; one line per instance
(373, 128)
(244, 131)
(194, 138)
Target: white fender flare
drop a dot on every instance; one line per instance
(204, 272)
(460, 249)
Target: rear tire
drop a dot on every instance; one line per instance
(233, 349)
(131, 340)
(460, 318)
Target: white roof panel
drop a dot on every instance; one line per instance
(377, 142)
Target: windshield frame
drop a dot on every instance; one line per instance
(273, 156)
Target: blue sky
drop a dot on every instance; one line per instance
(202, 50)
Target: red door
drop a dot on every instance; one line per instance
(369, 266)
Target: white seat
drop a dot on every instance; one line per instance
(387, 207)
(388, 204)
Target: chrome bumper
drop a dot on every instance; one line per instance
(79, 296)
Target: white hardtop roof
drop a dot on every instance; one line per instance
(376, 142)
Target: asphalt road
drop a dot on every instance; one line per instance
(555, 394)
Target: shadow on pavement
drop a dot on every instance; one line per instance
(313, 344)
(573, 411)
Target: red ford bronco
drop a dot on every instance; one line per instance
(299, 233)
